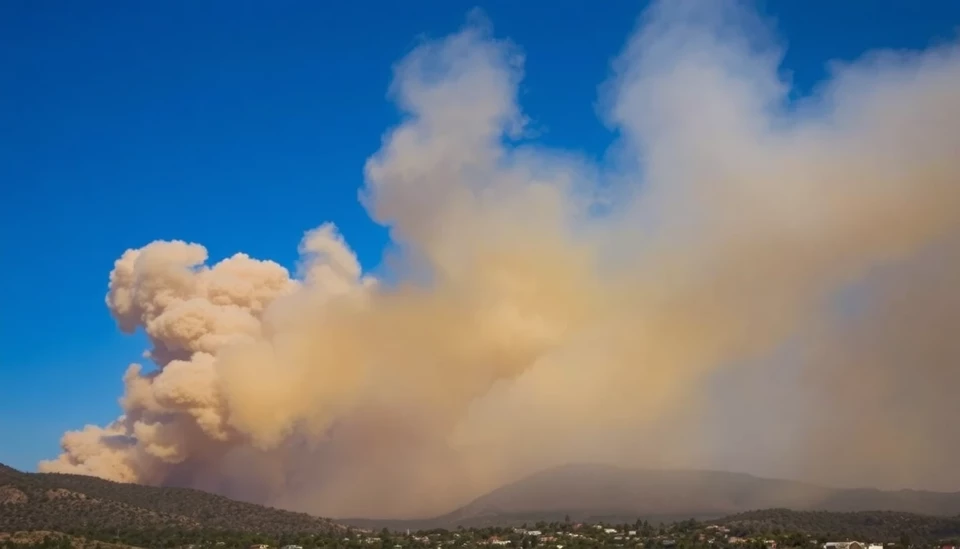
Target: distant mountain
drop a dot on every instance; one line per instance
(74, 503)
(611, 494)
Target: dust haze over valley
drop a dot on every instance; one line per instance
(746, 283)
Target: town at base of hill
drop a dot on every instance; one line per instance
(770, 529)
(68, 511)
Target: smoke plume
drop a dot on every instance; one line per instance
(750, 282)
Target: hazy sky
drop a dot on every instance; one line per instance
(123, 123)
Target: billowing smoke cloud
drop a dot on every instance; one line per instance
(686, 304)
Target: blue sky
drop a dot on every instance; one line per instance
(240, 125)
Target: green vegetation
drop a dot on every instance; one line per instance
(885, 526)
(106, 510)
(74, 512)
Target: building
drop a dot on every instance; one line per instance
(844, 545)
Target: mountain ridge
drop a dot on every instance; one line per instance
(583, 492)
(61, 502)
(591, 492)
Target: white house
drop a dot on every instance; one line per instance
(843, 545)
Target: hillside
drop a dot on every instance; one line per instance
(42, 539)
(611, 494)
(73, 503)
(863, 525)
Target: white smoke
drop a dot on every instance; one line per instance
(534, 331)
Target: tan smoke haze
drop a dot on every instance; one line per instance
(749, 283)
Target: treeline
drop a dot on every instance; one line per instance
(69, 502)
(93, 511)
(170, 538)
(877, 526)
